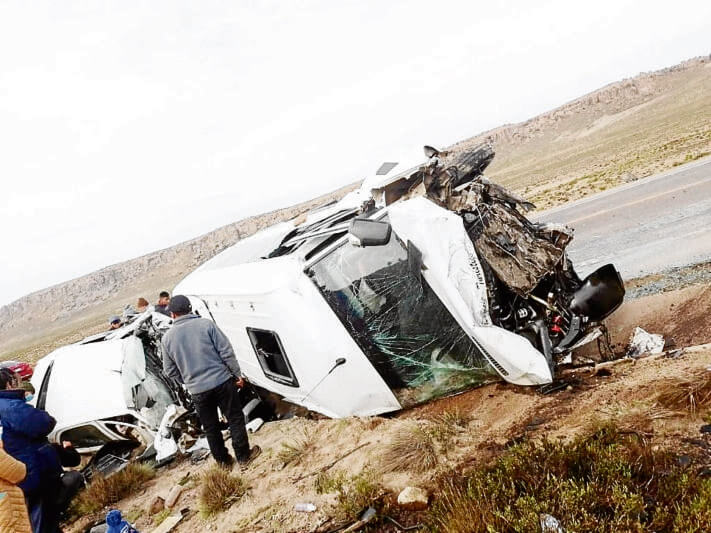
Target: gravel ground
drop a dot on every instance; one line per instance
(669, 280)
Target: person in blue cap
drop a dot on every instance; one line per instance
(114, 322)
(117, 524)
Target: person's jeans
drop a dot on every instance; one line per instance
(226, 397)
(47, 507)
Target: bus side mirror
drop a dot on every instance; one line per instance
(365, 232)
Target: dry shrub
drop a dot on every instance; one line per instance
(103, 491)
(295, 451)
(353, 493)
(687, 394)
(642, 418)
(326, 482)
(412, 448)
(608, 481)
(219, 489)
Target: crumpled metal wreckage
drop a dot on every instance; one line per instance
(426, 281)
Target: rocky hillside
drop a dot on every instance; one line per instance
(624, 131)
(621, 132)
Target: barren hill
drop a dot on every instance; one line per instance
(624, 131)
(621, 132)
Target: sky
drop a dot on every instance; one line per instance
(127, 127)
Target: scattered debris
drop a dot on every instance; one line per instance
(164, 443)
(365, 517)
(156, 506)
(413, 499)
(642, 342)
(185, 442)
(199, 451)
(400, 526)
(169, 523)
(254, 425)
(304, 507)
(556, 386)
(199, 444)
(111, 458)
(550, 524)
(673, 354)
(173, 496)
(198, 456)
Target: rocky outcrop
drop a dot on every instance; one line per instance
(613, 98)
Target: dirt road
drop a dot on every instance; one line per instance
(644, 227)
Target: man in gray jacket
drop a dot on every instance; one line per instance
(197, 354)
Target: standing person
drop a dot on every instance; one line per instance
(13, 511)
(163, 303)
(47, 488)
(197, 354)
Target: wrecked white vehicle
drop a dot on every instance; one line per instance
(420, 284)
(110, 387)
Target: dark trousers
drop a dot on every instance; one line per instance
(47, 507)
(226, 397)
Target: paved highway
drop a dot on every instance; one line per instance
(643, 227)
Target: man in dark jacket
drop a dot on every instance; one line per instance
(197, 354)
(163, 303)
(24, 436)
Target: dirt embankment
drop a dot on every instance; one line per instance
(466, 430)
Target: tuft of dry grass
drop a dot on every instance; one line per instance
(106, 491)
(219, 489)
(353, 493)
(642, 418)
(326, 482)
(686, 394)
(295, 451)
(412, 448)
(446, 425)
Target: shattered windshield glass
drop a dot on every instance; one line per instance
(399, 322)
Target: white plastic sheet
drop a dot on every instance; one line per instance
(644, 343)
